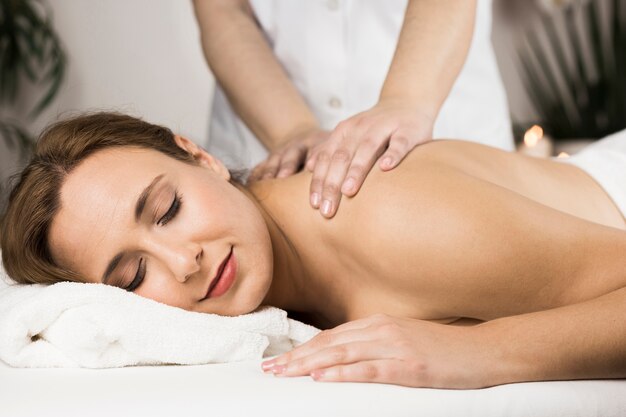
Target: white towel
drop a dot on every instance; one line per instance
(100, 326)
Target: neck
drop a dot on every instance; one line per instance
(291, 288)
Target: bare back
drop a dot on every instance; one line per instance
(458, 230)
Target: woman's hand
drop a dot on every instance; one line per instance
(290, 157)
(386, 132)
(390, 350)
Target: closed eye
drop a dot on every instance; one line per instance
(141, 270)
(173, 210)
(141, 273)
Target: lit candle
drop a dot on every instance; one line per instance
(536, 143)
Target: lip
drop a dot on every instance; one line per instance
(224, 277)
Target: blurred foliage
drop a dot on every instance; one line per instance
(30, 52)
(593, 103)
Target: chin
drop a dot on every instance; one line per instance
(257, 296)
(240, 309)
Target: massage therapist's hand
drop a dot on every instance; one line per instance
(290, 157)
(384, 134)
(390, 350)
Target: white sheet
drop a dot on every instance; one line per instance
(242, 389)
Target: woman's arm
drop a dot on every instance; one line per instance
(245, 67)
(580, 341)
(431, 50)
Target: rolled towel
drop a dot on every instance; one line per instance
(100, 326)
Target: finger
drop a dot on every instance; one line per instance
(399, 146)
(383, 371)
(350, 331)
(312, 151)
(338, 161)
(291, 161)
(364, 159)
(271, 166)
(327, 338)
(331, 188)
(322, 341)
(335, 355)
(311, 158)
(255, 174)
(319, 173)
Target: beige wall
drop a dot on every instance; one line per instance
(142, 57)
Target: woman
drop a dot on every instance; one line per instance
(346, 85)
(535, 252)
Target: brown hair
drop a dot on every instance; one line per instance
(34, 199)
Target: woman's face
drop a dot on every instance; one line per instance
(173, 249)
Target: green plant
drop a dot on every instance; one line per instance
(30, 52)
(593, 102)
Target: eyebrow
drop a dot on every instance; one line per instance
(143, 197)
(139, 207)
(112, 265)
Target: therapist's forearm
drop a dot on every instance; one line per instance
(578, 341)
(245, 67)
(432, 48)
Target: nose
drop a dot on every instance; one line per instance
(183, 259)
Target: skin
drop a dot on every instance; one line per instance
(420, 248)
(432, 47)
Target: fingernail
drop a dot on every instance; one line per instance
(387, 162)
(279, 369)
(267, 365)
(326, 207)
(317, 374)
(315, 200)
(348, 186)
(283, 173)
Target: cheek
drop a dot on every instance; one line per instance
(160, 288)
(249, 233)
(220, 211)
(207, 206)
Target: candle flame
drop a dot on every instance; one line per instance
(533, 136)
(563, 155)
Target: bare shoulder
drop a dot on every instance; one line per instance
(558, 185)
(436, 169)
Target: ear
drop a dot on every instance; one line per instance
(203, 157)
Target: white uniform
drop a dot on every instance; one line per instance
(337, 53)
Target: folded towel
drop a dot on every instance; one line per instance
(100, 326)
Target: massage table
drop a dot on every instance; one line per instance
(242, 389)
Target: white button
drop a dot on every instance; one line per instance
(334, 102)
(332, 4)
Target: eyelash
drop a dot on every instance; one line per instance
(173, 210)
(141, 270)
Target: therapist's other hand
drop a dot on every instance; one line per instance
(385, 133)
(392, 350)
(289, 158)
